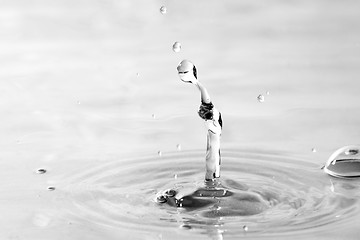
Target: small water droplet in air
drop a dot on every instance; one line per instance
(313, 150)
(175, 176)
(78, 102)
(245, 228)
(153, 116)
(261, 98)
(51, 188)
(267, 93)
(163, 10)
(159, 153)
(41, 171)
(178, 147)
(176, 47)
(185, 226)
(137, 74)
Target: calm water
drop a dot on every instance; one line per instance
(89, 92)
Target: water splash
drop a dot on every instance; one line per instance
(187, 73)
(123, 195)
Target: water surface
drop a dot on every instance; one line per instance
(89, 92)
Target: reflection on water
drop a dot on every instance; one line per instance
(259, 194)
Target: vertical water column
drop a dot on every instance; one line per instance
(213, 121)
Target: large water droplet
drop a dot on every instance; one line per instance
(163, 10)
(344, 162)
(261, 98)
(176, 47)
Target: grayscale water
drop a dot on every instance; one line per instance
(95, 123)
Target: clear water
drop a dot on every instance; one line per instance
(89, 93)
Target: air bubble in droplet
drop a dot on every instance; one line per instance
(261, 98)
(163, 10)
(41, 171)
(178, 147)
(351, 151)
(176, 47)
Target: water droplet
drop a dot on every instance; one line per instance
(245, 228)
(313, 150)
(137, 74)
(159, 153)
(261, 98)
(344, 162)
(267, 93)
(185, 226)
(161, 199)
(153, 116)
(78, 102)
(51, 188)
(41, 171)
(176, 47)
(170, 193)
(163, 10)
(178, 147)
(175, 176)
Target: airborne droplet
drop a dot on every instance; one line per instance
(245, 228)
(261, 98)
(163, 10)
(176, 47)
(41, 171)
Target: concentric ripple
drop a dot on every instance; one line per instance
(122, 195)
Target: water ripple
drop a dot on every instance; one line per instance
(122, 194)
